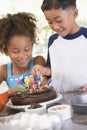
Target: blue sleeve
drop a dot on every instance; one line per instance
(84, 32)
(50, 42)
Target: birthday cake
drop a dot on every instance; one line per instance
(32, 91)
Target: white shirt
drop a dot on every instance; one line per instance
(68, 63)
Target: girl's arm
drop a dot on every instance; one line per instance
(11, 91)
(3, 77)
(39, 60)
(3, 73)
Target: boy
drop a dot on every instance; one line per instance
(67, 49)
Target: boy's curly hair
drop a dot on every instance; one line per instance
(16, 24)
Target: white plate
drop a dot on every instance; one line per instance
(59, 97)
(10, 105)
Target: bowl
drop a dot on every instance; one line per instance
(79, 103)
(3, 97)
(64, 111)
(38, 108)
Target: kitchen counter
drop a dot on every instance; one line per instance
(77, 122)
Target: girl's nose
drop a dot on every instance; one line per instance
(21, 54)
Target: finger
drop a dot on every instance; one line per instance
(85, 89)
(36, 72)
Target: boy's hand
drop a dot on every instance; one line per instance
(85, 88)
(36, 71)
(40, 70)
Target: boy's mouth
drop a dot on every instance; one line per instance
(61, 32)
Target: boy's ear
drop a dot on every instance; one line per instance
(75, 13)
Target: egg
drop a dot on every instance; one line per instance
(56, 122)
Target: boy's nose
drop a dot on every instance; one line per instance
(55, 27)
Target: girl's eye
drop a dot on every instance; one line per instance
(15, 51)
(27, 49)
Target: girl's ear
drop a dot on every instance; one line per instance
(6, 52)
(75, 13)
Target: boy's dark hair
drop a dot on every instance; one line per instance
(16, 24)
(57, 4)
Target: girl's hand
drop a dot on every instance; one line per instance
(11, 91)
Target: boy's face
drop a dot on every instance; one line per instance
(19, 49)
(62, 21)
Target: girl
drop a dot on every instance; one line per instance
(17, 37)
(67, 56)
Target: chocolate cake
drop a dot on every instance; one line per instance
(26, 97)
(32, 91)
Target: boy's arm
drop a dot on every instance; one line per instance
(40, 69)
(85, 88)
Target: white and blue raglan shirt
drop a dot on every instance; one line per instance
(67, 57)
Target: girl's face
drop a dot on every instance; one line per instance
(62, 21)
(19, 50)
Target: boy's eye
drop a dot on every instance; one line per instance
(58, 21)
(49, 22)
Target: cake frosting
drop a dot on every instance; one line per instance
(31, 90)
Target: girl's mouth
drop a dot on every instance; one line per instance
(23, 61)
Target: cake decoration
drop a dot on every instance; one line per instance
(31, 90)
(49, 81)
(33, 84)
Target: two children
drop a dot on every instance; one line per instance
(17, 37)
(67, 48)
